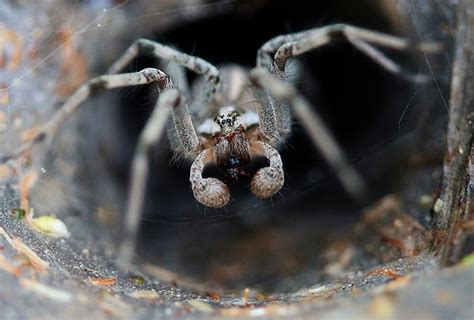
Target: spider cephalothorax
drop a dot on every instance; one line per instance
(231, 145)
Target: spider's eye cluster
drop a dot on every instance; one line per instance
(226, 119)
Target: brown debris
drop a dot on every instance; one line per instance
(382, 306)
(3, 118)
(100, 282)
(468, 226)
(6, 171)
(213, 295)
(386, 272)
(74, 65)
(46, 291)
(136, 280)
(253, 249)
(107, 216)
(390, 233)
(9, 36)
(338, 258)
(316, 293)
(144, 294)
(18, 213)
(171, 277)
(261, 297)
(266, 311)
(30, 134)
(200, 305)
(4, 96)
(26, 183)
(399, 282)
(38, 264)
(7, 266)
(114, 306)
(245, 295)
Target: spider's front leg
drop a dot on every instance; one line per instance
(149, 136)
(211, 192)
(74, 102)
(169, 54)
(268, 180)
(170, 111)
(314, 125)
(274, 54)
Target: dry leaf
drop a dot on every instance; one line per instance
(50, 226)
(107, 281)
(36, 262)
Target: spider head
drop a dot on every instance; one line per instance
(227, 120)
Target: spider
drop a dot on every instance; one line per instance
(220, 126)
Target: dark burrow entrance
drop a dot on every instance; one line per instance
(291, 240)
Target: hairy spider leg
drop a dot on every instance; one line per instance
(86, 90)
(274, 53)
(167, 53)
(169, 102)
(275, 110)
(314, 125)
